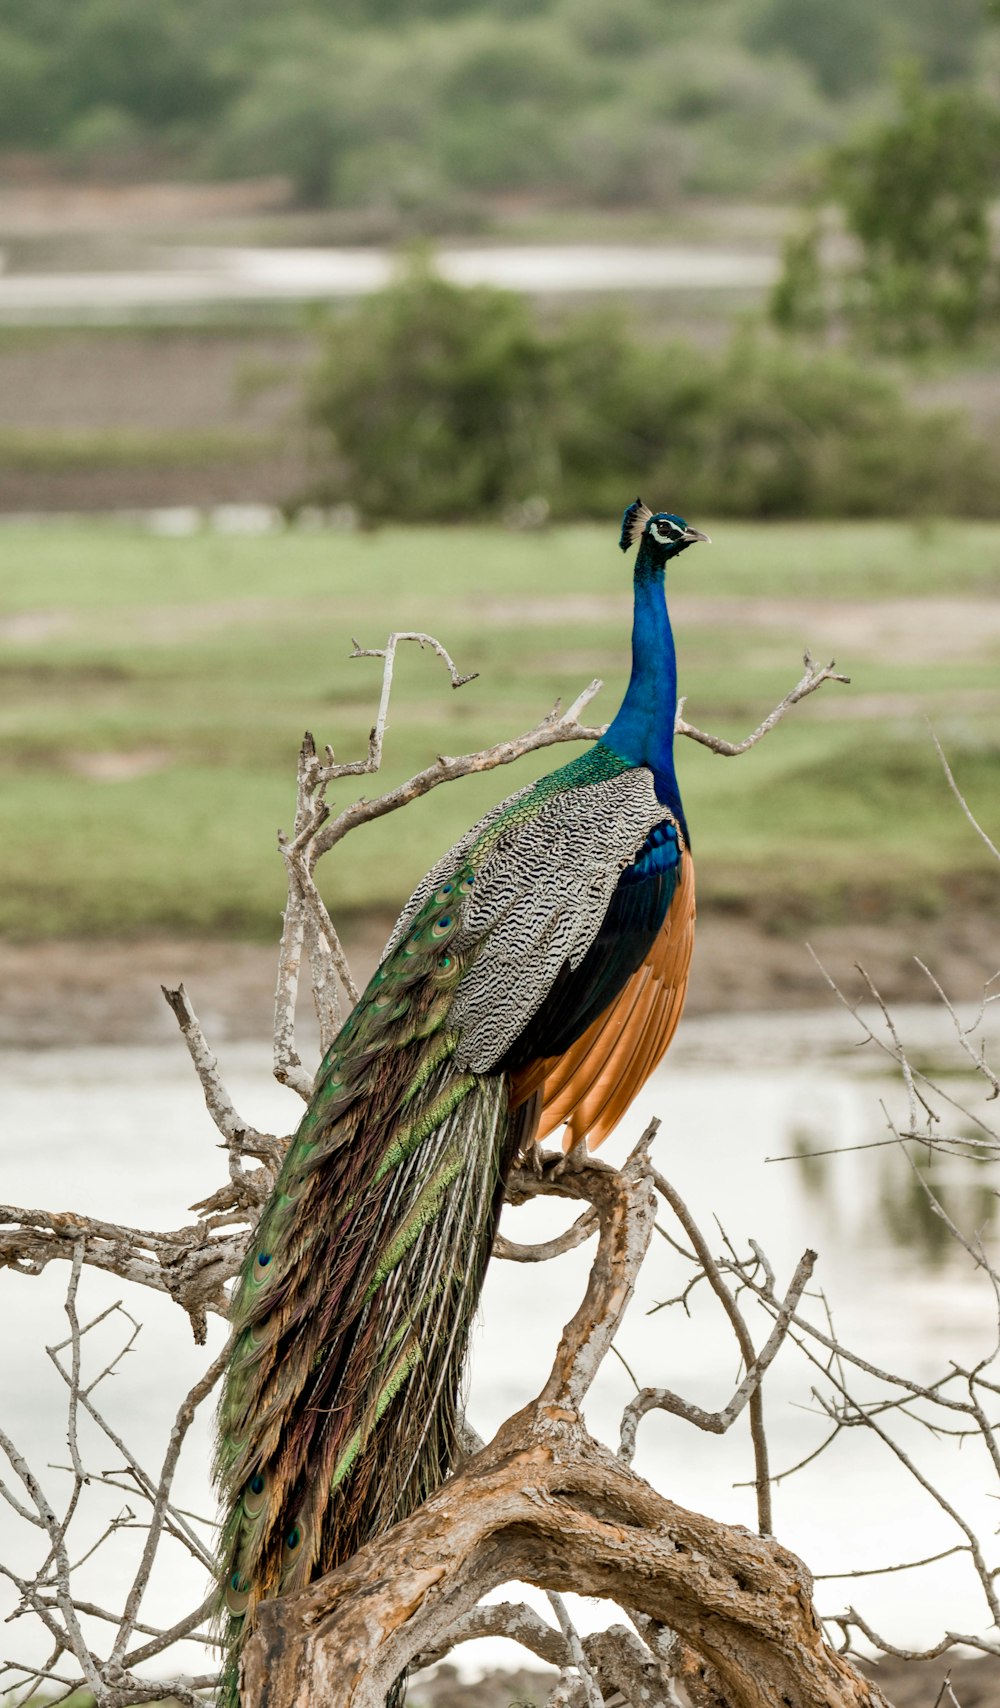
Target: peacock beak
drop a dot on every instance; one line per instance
(691, 536)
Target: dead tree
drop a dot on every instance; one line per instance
(715, 1611)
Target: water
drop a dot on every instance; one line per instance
(181, 279)
(123, 1133)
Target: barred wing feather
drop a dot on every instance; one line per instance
(592, 1084)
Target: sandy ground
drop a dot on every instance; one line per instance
(42, 203)
(975, 1683)
(920, 1684)
(104, 991)
(173, 382)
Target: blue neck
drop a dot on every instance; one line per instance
(643, 731)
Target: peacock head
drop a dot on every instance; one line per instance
(663, 534)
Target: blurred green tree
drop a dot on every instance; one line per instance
(942, 39)
(293, 115)
(915, 193)
(842, 44)
(433, 399)
(140, 59)
(403, 104)
(798, 301)
(30, 111)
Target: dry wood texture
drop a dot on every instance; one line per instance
(546, 1504)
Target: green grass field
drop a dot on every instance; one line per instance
(153, 693)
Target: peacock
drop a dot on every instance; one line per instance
(533, 981)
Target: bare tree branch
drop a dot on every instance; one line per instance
(514, 1619)
(232, 1127)
(729, 1613)
(191, 1264)
(546, 1504)
(960, 798)
(716, 1423)
(815, 676)
(710, 1269)
(580, 1231)
(591, 1694)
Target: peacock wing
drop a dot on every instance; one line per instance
(591, 1084)
(545, 876)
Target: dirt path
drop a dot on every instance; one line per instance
(919, 629)
(104, 991)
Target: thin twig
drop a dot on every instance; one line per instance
(960, 798)
(744, 1341)
(815, 676)
(161, 1498)
(217, 1099)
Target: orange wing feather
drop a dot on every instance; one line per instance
(590, 1087)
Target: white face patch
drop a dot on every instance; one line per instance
(668, 533)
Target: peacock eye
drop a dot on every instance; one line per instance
(293, 1538)
(254, 1500)
(260, 1330)
(237, 1594)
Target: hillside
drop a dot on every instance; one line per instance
(431, 107)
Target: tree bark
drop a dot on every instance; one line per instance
(547, 1504)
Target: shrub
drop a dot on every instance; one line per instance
(28, 104)
(915, 193)
(770, 431)
(841, 44)
(434, 402)
(433, 397)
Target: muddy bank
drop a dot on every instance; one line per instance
(975, 1683)
(105, 991)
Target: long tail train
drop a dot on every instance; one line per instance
(353, 1308)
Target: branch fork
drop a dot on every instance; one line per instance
(547, 1504)
(727, 1612)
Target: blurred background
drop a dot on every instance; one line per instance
(337, 316)
(276, 284)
